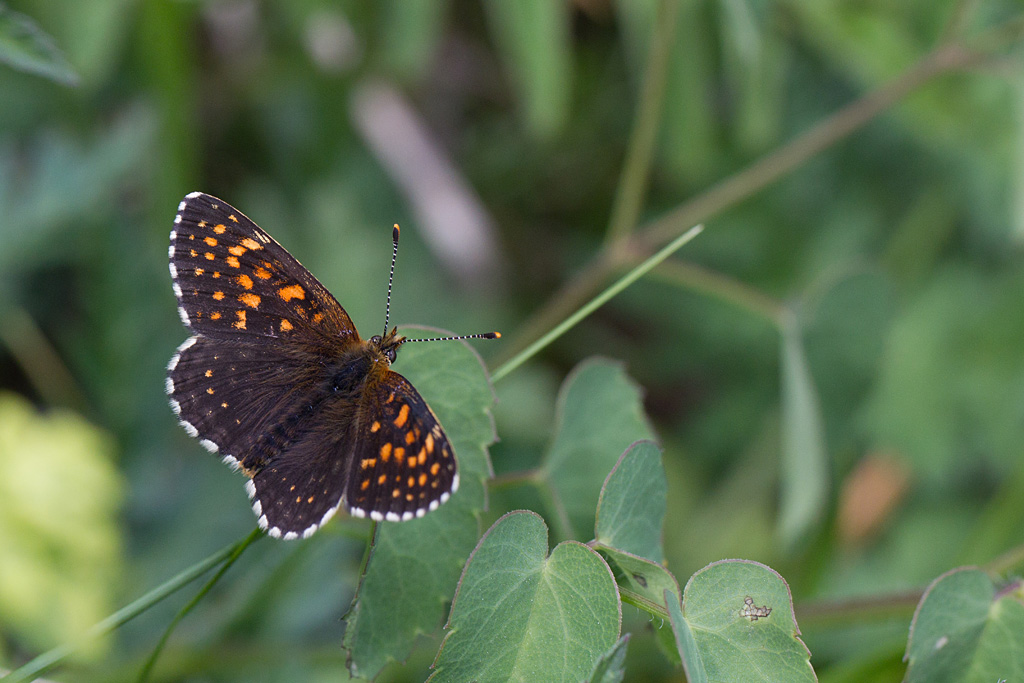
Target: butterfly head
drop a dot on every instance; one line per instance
(388, 344)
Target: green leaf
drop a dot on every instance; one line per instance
(631, 507)
(804, 475)
(739, 626)
(26, 47)
(533, 39)
(414, 566)
(642, 583)
(523, 615)
(965, 630)
(59, 499)
(600, 413)
(611, 668)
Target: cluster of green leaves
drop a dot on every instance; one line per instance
(847, 304)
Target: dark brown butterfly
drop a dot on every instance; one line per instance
(277, 380)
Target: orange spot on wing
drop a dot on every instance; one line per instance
(199, 271)
(232, 218)
(399, 454)
(244, 280)
(237, 249)
(215, 315)
(375, 427)
(250, 243)
(220, 228)
(210, 391)
(262, 273)
(429, 443)
(209, 256)
(382, 479)
(249, 299)
(385, 452)
(421, 457)
(201, 224)
(412, 482)
(218, 295)
(423, 479)
(208, 373)
(210, 241)
(435, 468)
(291, 292)
(216, 275)
(240, 323)
(365, 485)
(409, 437)
(286, 326)
(409, 497)
(232, 261)
(396, 493)
(193, 253)
(317, 317)
(367, 463)
(403, 415)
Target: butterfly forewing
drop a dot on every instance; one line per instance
(403, 466)
(232, 279)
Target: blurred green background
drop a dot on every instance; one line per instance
(864, 311)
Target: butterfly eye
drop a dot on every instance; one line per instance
(391, 355)
(375, 340)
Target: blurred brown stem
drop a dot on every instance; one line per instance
(950, 56)
(637, 168)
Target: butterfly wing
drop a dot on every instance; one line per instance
(245, 383)
(403, 464)
(233, 280)
(243, 401)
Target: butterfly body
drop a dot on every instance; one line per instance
(277, 380)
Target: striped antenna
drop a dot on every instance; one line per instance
(483, 335)
(391, 277)
(387, 309)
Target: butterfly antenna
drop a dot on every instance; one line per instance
(484, 335)
(387, 308)
(391, 278)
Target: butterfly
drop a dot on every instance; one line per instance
(277, 381)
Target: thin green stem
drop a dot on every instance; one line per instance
(1010, 561)
(595, 303)
(239, 548)
(636, 171)
(51, 658)
(727, 289)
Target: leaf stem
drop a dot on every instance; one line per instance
(51, 658)
(637, 168)
(236, 552)
(595, 303)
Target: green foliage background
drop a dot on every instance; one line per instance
(857, 293)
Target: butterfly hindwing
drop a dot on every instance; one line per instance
(232, 279)
(243, 401)
(403, 465)
(299, 491)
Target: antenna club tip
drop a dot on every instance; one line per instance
(492, 335)
(394, 233)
